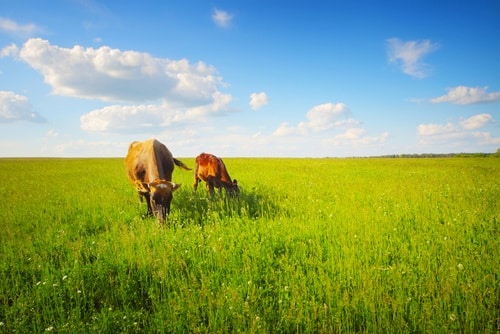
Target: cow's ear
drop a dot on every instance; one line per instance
(141, 186)
(174, 186)
(153, 186)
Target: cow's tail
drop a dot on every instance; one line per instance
(181, 164)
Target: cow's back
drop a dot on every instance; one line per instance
(164, 161)
(149, 160)
(208, 165)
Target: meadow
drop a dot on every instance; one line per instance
(310, 246)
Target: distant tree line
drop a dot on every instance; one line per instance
(441, 155)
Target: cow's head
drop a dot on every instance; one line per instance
(233, 189)
(160, 192)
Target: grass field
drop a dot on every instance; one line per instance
(311, 246)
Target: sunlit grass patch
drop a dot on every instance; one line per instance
(310, 245)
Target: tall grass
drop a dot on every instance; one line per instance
(311, 245)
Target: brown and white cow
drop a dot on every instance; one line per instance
(212, 170)
(149, 165)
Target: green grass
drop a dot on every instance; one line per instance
(312, 245)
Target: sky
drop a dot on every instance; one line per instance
(249, 78)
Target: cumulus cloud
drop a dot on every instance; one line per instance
(476, 122)
(356, 136)
(147, 118)
(258, 100)
(14, 107)
(9, 51)
(222, 18)
(114, 75)
(408, 55)
(284, 129)
(449, 132)
(320, 118)
(138, 79)
(467, 95)
(327, 116)
(13, 28)
(437, 130)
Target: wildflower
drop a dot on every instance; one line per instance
(48, 329)
(460, 267)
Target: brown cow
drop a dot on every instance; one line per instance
(212, 170)
(149, 165)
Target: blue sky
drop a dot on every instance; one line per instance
(249, 78)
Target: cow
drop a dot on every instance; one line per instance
(212, 170)
(149, 165)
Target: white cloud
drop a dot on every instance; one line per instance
(220, 105)
(353, 133)
(457, 134)
(327, 116)
(476, 122)
(149, 118)
(258, 100)
(10, 51)
(52, 133)
(284, 129)
(408, 55)
(186, 91)
(486, 138)
(317, 130)
(114, 75)
(14, 107)
(320, 118)
(222, 18)
(357, 137)
(467, 95)
(436, 129)
(12, 27)
(118, 118)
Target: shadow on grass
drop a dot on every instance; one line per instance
(189, 207)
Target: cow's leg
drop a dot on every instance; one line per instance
(195, 184)
(210, 186)
(148, 200)
(196, 179)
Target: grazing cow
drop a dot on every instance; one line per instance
(149, 165)
(212, 170)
